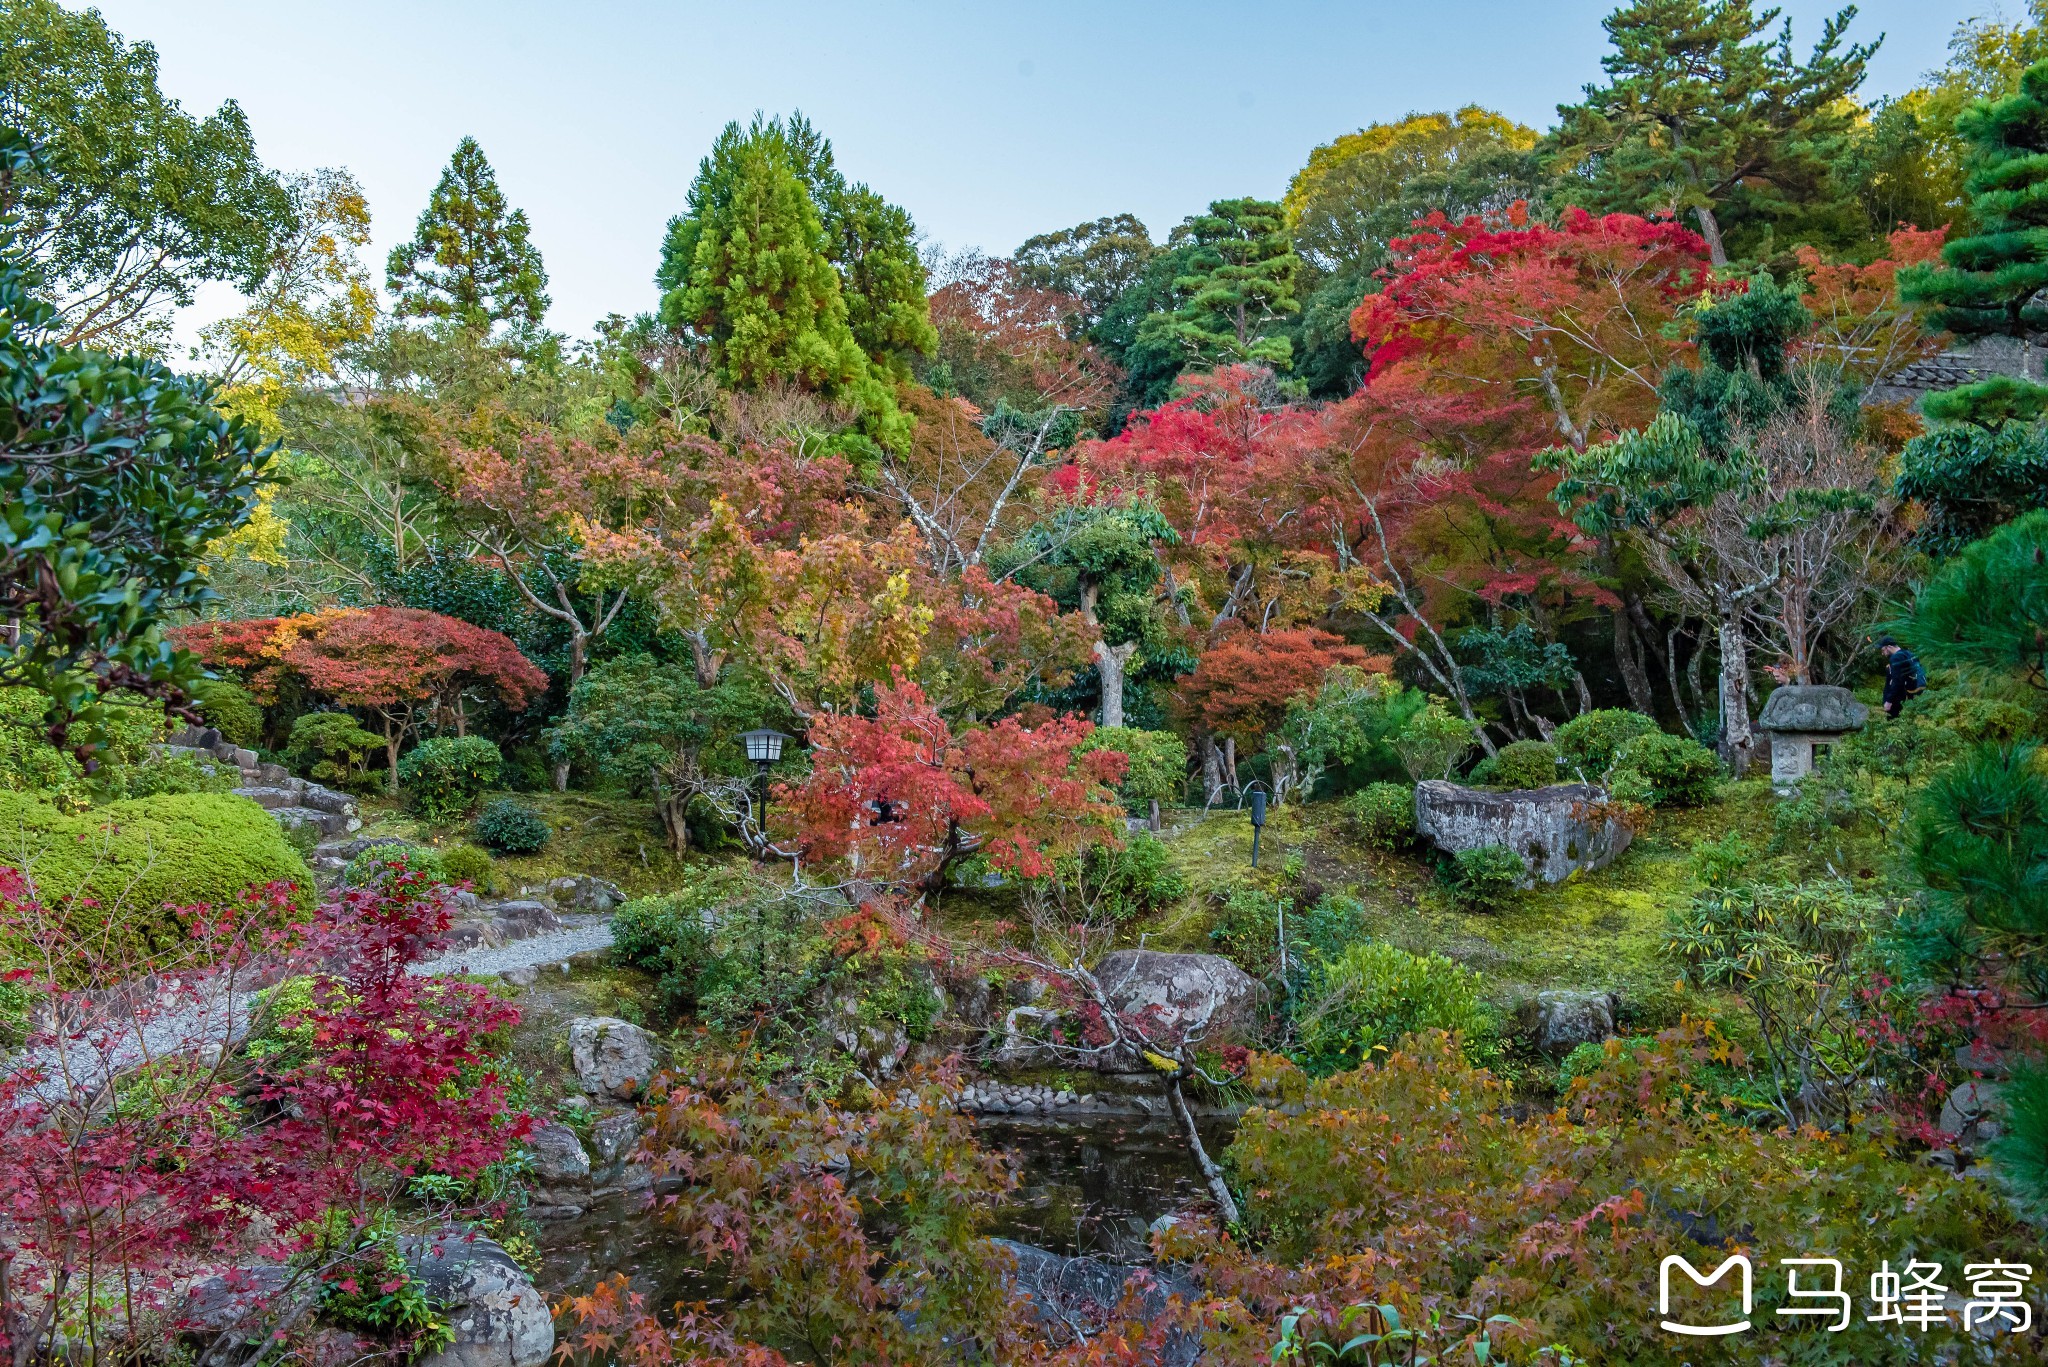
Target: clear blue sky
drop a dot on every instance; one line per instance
(989, 122)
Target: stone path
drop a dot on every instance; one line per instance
(578, 934)
(213, 1020)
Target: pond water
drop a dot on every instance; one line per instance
(1082, 1188)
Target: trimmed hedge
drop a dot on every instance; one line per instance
(142, 854)
(1589, 742)
(231, 710)
(509, 827)
(447, 774)
(1520, 764)
(1666, 771)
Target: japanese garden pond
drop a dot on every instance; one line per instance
(1084, 1187)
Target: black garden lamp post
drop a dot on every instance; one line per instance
(764, 747)
(1258, 800)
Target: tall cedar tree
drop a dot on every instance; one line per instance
(1238, 282)
(1702, 115)
(795, 277)
(1989, 279)
(469, 260)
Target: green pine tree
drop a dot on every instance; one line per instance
(1238, 284)
(793, 276)
(469, 260)
(1705, 112)
(1988, 280)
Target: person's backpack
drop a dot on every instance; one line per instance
(1919, 680)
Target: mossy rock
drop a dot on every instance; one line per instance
(137, 856)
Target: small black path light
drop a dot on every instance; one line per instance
(764, 747)
(1258, 801)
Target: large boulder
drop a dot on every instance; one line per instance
(1182, 996)
(1562, 1021)
(499, 1316)
(612, 1057)
(584, 893)
(558, 1156)
(1558, 831)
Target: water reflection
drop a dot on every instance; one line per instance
(1091, 1187)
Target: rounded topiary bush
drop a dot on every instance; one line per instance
(1522, 764)
(1383, 814)
(137, 856)
(446, 775)
(468, 864)
(1665, 771)
(1589, 742)
(1486, 875)
(383, 861)
(231, 710)
(509, 828)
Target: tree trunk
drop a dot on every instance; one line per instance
(391, 740)
(1230, 763)
(701, 657)
(1738, 742)
(1628, 657)
(576, 666)
(1155, 816)
(1219, 1189)
(1212, 770)
(1109, 667)
(1710, 229)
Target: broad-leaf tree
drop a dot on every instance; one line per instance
(902, 797)
(1090, 263)
(1360, 192)
(115, 474)
(133, 203)
(402, 666)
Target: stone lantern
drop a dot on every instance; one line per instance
(1800, 717)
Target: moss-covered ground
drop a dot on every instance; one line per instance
(608, 837)
(1600, 930)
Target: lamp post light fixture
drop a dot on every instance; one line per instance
(1258, 801)
(764, 747)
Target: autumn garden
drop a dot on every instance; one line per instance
(1396, 775)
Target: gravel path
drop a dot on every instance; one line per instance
(577, 934)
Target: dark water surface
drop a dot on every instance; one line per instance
(1091, 1187)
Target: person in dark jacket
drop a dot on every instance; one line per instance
(1903, 676)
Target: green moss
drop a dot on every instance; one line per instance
(139, 855)
(615, 838)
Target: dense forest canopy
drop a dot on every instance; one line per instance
(904, 637)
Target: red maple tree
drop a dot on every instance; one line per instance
(401, 665)
(141, 1152)
(901, 797)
